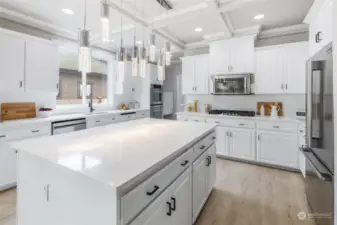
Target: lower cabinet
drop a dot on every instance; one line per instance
(173, 206)
(204, 175)
(277, 148)
(222, 147)
(241, 144)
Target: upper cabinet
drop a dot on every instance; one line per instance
(281, 69)
(42, 66)
(195, 74)
(153, 70)
(28, 64)
(232, 56)
(12, 62)
(319, 19)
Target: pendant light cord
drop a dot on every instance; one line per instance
(122, 5)
(134, 30)
(85, 14)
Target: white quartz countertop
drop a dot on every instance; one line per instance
(71, 116)
(265, 118)
(117, 153)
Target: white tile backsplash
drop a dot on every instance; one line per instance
(291, 103)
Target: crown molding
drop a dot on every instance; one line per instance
(316, 7)
(282, 31)
(253, 30)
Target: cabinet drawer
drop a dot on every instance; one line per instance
(276, 126)
(196, 119)
(203, 145)
(143, 114)
(20, 134)
(138, 198)
(38, 132)
(232, 123)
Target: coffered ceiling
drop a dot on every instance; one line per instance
(217, 18)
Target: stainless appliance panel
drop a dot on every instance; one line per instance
(62, 127)
(156, 94)
(156, 111)
(237, 84)
(319, 190)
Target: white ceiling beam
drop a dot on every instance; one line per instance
(227, 24)
(235, 4)
(138, 19)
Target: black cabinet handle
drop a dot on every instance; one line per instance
(213, 138)
(155, 189)
(35, 131)
(169, 213)
(184, 163)
(174, 204)
(210, 160)
(202, 147)
(2, 136)
(98, 121)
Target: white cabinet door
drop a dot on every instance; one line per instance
(211, 169)
(220, 57)
(222, 147)
(242, 144)
(242, 55)
(277, 148)
(296, 58)
(201, 74)
(269, 76)
(181, 200)
(188, 83)
(42, 66)
(7, 166)
(12, 63)
(153, 71)
(200, 185)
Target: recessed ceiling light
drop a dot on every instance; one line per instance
(68, 11)
(198, 29)
(259, 17)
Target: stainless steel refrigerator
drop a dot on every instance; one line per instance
(319, 151)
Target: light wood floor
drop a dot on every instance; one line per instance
(244, 195)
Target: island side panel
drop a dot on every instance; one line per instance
(52, 194)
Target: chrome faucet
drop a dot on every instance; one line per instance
(90, 103)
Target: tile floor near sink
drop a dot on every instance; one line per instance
(244, 194)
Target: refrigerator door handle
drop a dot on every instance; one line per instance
(321, 175)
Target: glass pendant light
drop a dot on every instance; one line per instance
(105, 13)
(152, 42)
(168, 56)
(84, 53)
(142, 54)
(161, 67)
(121, 55)
(134, 57)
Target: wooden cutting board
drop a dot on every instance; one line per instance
(267, 108)
(17, 110)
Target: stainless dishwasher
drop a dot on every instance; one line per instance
(67, 126)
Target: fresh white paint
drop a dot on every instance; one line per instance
(195, 74)
(281, 69)
(232, 56)
(158, 178)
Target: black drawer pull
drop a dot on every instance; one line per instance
(208, 161)
(185, 163)
(241, 124)
(169, 213)
(35, 131)
(113, 118)
(155, 189)
(98, 121)
(277, 127)
(2, 136)
(217, 122)
(202, 147)
(174, 204)
(213, 138)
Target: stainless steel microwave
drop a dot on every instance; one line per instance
(234, 84)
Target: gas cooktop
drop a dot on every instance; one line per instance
(232, 112)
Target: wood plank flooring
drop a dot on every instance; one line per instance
(244, 195)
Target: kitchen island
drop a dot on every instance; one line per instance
(140, 172)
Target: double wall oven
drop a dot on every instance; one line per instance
(319, 149)
(156, 103)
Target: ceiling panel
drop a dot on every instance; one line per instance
(278, 13)
(211, 23)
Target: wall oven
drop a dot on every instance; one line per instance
(156, 94)
(319, 148)
(156, 111)
(235, 84)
